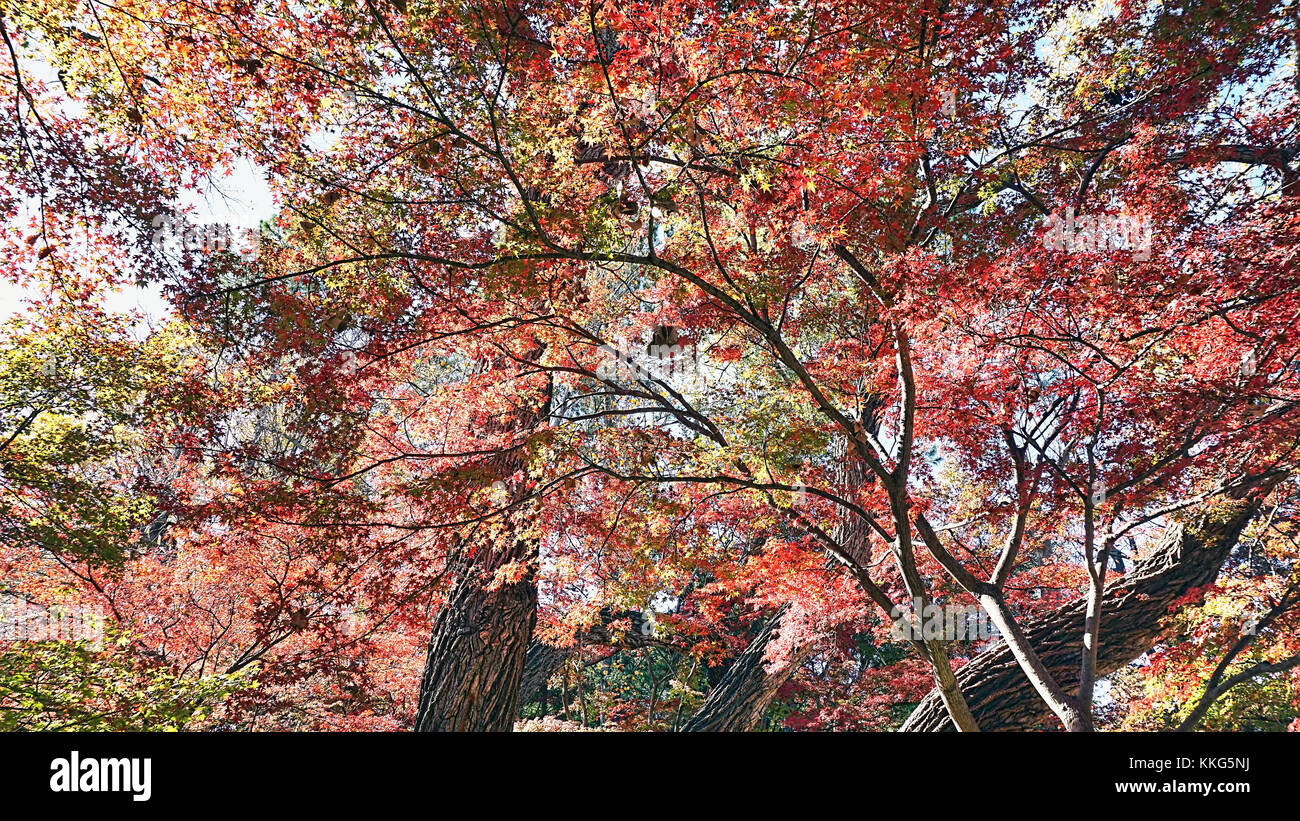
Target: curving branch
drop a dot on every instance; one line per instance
(1189, 554)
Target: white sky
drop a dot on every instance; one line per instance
(240, 200)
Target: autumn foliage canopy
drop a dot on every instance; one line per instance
(651, 365)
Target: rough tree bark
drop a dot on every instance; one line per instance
(543, 660)
(739, 700)
(476, 654)
(1188, 555)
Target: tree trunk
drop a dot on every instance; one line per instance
(739, 700)
(1188, 555)
(476, 654)
(540, 663)
(544, 660)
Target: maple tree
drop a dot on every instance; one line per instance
(645, 365)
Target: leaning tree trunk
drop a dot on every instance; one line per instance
(736, 701)
(739, 700)
(541, 662)
(1188, 555)
(475, 661)
(544, 660)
